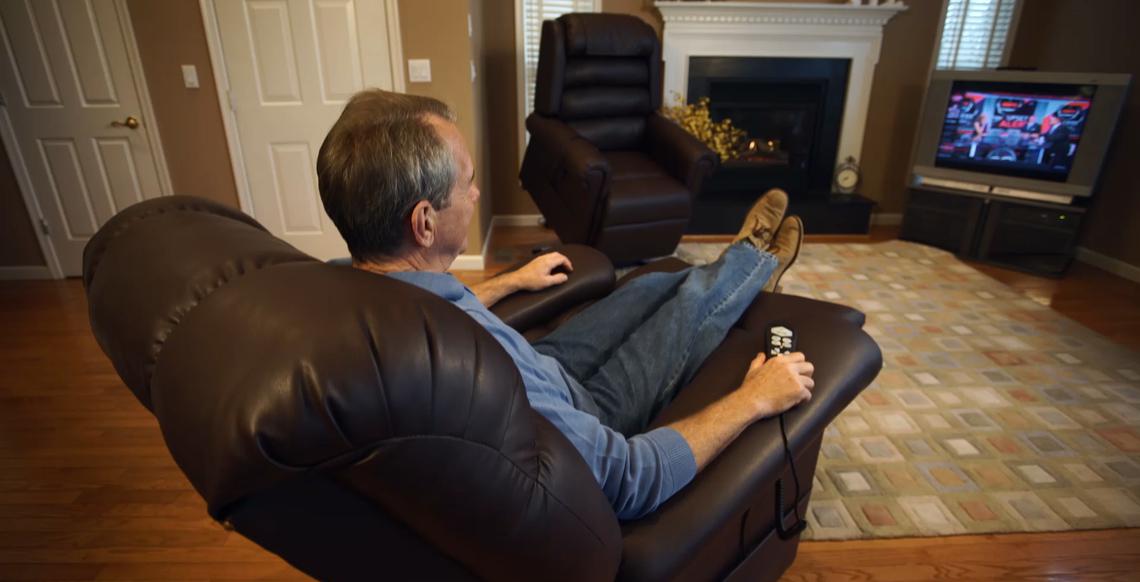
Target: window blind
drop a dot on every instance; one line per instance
(533, 13)
(975, 33)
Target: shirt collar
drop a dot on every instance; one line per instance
(443, 284)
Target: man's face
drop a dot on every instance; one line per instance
(452, 221)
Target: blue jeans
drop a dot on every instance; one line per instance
(633, 350)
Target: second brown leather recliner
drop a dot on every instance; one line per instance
(603, 166)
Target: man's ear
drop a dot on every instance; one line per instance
(424, 224)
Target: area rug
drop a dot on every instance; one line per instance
(992, 413)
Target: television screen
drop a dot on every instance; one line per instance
(1029, 130)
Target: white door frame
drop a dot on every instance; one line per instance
(16, 157)
(222, 82)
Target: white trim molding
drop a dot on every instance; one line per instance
(25, 273)
(1107, 263)
(28, 193)
(469, 262)
(781, 30)
(229, 116)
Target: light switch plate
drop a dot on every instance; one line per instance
(419, 70)
(190, 76)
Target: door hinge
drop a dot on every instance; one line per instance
(3, 100)
(230, 98)
(44, 227)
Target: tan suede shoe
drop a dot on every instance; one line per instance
(760, 223)
(785, 247)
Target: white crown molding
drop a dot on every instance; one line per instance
(778, 13)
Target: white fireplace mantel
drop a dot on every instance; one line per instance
(780, 29)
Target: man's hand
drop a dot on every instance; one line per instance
(769, 388)
(539, 273)
(780, 383)
(534, 276)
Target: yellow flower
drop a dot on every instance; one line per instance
(719, 136)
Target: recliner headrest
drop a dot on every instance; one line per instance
(597, 35)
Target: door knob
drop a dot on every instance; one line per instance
(130, 123)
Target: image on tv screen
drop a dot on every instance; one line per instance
(1028, 130)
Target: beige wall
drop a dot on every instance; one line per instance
(18, 244)
(170, 34)
(483, 152)
(1071, 35)
(896, 98)
(437, 30)
(500, 74)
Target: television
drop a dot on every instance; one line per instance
(1023, 134)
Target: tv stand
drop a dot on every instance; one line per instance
(1034, 236)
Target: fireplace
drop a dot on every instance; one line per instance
(797, 78)
(791, 109)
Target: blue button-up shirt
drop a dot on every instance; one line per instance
(638, 473)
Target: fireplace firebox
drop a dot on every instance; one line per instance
(792, 112)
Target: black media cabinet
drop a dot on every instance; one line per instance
(1027, 235)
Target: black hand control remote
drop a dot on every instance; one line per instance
(781, 340)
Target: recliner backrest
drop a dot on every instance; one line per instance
(275, 377)
(601, 74)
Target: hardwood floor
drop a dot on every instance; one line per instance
(89, 492)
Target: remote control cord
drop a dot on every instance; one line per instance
(792, 465)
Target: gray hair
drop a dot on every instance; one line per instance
(381, 157)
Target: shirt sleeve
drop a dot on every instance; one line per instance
(636, 474)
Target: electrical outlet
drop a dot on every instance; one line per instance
(190, 76)
(419, 70)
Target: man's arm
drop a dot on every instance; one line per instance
(769, 388)
(534, 276)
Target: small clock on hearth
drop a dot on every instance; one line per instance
(847, 176)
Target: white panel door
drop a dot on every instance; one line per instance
(291, 67)
(66, 78)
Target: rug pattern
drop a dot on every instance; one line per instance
(992, 413)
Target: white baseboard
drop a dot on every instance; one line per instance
(886, 218)
(1114, 266)
(516, 220)
(477, 262)
(468, 263)
(24, 273)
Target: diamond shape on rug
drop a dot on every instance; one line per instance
(992, 413)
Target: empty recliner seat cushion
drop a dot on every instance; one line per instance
(640, 192)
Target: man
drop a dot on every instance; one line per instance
(397, 179)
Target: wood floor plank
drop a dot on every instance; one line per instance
(88, 490)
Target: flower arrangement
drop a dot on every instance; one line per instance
(721, 136)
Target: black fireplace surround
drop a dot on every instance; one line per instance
(792, 111)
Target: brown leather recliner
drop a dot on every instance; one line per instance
(603, 166)
(362, 428)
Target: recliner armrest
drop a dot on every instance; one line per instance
(592, 278)
(578, 164)
(685, 157)
(727, 491)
